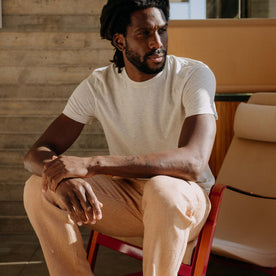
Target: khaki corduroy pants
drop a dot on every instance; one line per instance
(168, 212)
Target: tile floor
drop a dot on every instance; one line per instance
(20, 255)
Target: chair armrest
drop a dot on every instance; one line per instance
(215, 198)
(204, 245)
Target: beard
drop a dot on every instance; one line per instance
(141, 62)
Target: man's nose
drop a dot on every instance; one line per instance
(155, 41)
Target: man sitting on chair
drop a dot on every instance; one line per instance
(158, 116)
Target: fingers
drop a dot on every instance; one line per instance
(90, 204)
(72, 213)
(96, 205)
(79, 212)
(44, 184)
(80, 201)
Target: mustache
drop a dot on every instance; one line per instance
(156, 52)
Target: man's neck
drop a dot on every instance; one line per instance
(138, 76)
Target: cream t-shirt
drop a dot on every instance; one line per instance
(144, 117)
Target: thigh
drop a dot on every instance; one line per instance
(122, 200)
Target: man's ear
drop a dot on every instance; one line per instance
(119, 41)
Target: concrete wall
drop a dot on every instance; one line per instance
(0, 14)
(46, 49)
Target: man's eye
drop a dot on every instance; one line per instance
(145, 33)
(162, 30)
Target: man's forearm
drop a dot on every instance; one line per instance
(34, 159)
(176, 163)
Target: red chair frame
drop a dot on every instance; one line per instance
(201, 253)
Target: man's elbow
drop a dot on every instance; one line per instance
(196, 168)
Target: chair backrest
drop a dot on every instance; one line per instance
(246, 226)
(250, 162)
(263, 98)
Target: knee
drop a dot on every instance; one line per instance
(167, 199)
(164, 192)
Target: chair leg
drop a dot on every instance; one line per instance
(92, 249)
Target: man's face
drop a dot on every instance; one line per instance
(145, 44)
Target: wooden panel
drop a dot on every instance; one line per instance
(241, 53)
(226, 113)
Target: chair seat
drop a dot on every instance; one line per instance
(236, 250)
(242, 231)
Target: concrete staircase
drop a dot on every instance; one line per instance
(46, 48)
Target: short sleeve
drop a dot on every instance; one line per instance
(81, 105)
(199, 92)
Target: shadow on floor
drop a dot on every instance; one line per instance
(21, 255)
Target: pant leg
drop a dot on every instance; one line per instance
(60, 237)
(122, 210)
(174, 213)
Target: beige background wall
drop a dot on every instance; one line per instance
(242, 53)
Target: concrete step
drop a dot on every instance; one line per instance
(12, 208)
(12, 191)
(12, 175)
(15, 225)
(52, 7)
(51, 23)
(36, 91)
(11, 157)
(52, 40)
(26, 140)
(32, 106)
(39, 75)
(15, 157)
(13, 218)
(83, 57)
(24, 124)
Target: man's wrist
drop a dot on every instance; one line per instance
(94, 165)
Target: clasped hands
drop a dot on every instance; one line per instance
(63, 176)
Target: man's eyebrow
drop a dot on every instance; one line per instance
(142, 28)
